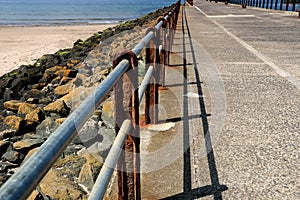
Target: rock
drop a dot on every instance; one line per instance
(5, 113)
(14, 122)
(32, 100)
(60, 120)
(89, 130)
(66, 73)
(12, 105)
(45, 100)
(5, 166)
(7, 133)
(35, 195)
(34, 93)
(59, 187)
(36, 116)
(90, 170)
(50, 74)
(69, 166)
(102, 148)
(26, 108)
(29, 154)
(61, 181)
(13, 156)
(56, 80)
(7, 94)
(70, 73)
(108, 112)
(58, 107)
(72, 63)
(65, 80)
(27, 144)
(86, 176)
(63, 90)
(47, 127)
(80, 80)
(4, 146)
(3, 176)
(76, 96)
(39, 86)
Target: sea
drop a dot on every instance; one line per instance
(74, 12)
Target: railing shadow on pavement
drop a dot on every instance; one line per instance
(215, 188)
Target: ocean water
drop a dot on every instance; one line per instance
(70, 12)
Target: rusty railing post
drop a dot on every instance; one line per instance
(151, 93)
(126, 107)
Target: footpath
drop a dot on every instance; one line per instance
(229, 114)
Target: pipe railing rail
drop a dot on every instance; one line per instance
(124, 153)
(287, 5)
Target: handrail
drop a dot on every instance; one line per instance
(145, 83)
(107, 169)
(28, 176)
(273, 5)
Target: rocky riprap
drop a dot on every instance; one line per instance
(37, 99)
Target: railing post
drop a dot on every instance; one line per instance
(126, 107)
(151, 93)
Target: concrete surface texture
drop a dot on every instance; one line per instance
(232, 98)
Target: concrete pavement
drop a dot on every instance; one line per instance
(230, 110)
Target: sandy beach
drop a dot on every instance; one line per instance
(23, 45)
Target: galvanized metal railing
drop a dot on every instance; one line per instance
(288, 5)
(128, 95)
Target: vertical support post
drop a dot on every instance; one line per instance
(271, 5)
(260, 3)
(162, 47)
(287, 5)
(276, 4)
(151, 93)
(294, 5)
(281, 4)
(126, 107)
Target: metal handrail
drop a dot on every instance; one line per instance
(110, 163)
(145, 83)
(28, 176)
(278, 4)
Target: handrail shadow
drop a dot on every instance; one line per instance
(215, 188)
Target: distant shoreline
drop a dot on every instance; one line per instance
(64, 22)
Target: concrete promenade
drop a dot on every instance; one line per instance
(230, 113)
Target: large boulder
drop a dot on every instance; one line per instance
(90, 170)
(35, 117)
(15, 122)
(50, 73)
(26, 108)
(59, 107)
(63, 90)
(12, 105)
(8, 133)
(47, 127)
(13, 156)
(59, 187)
(34, 93)
(27, 144)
